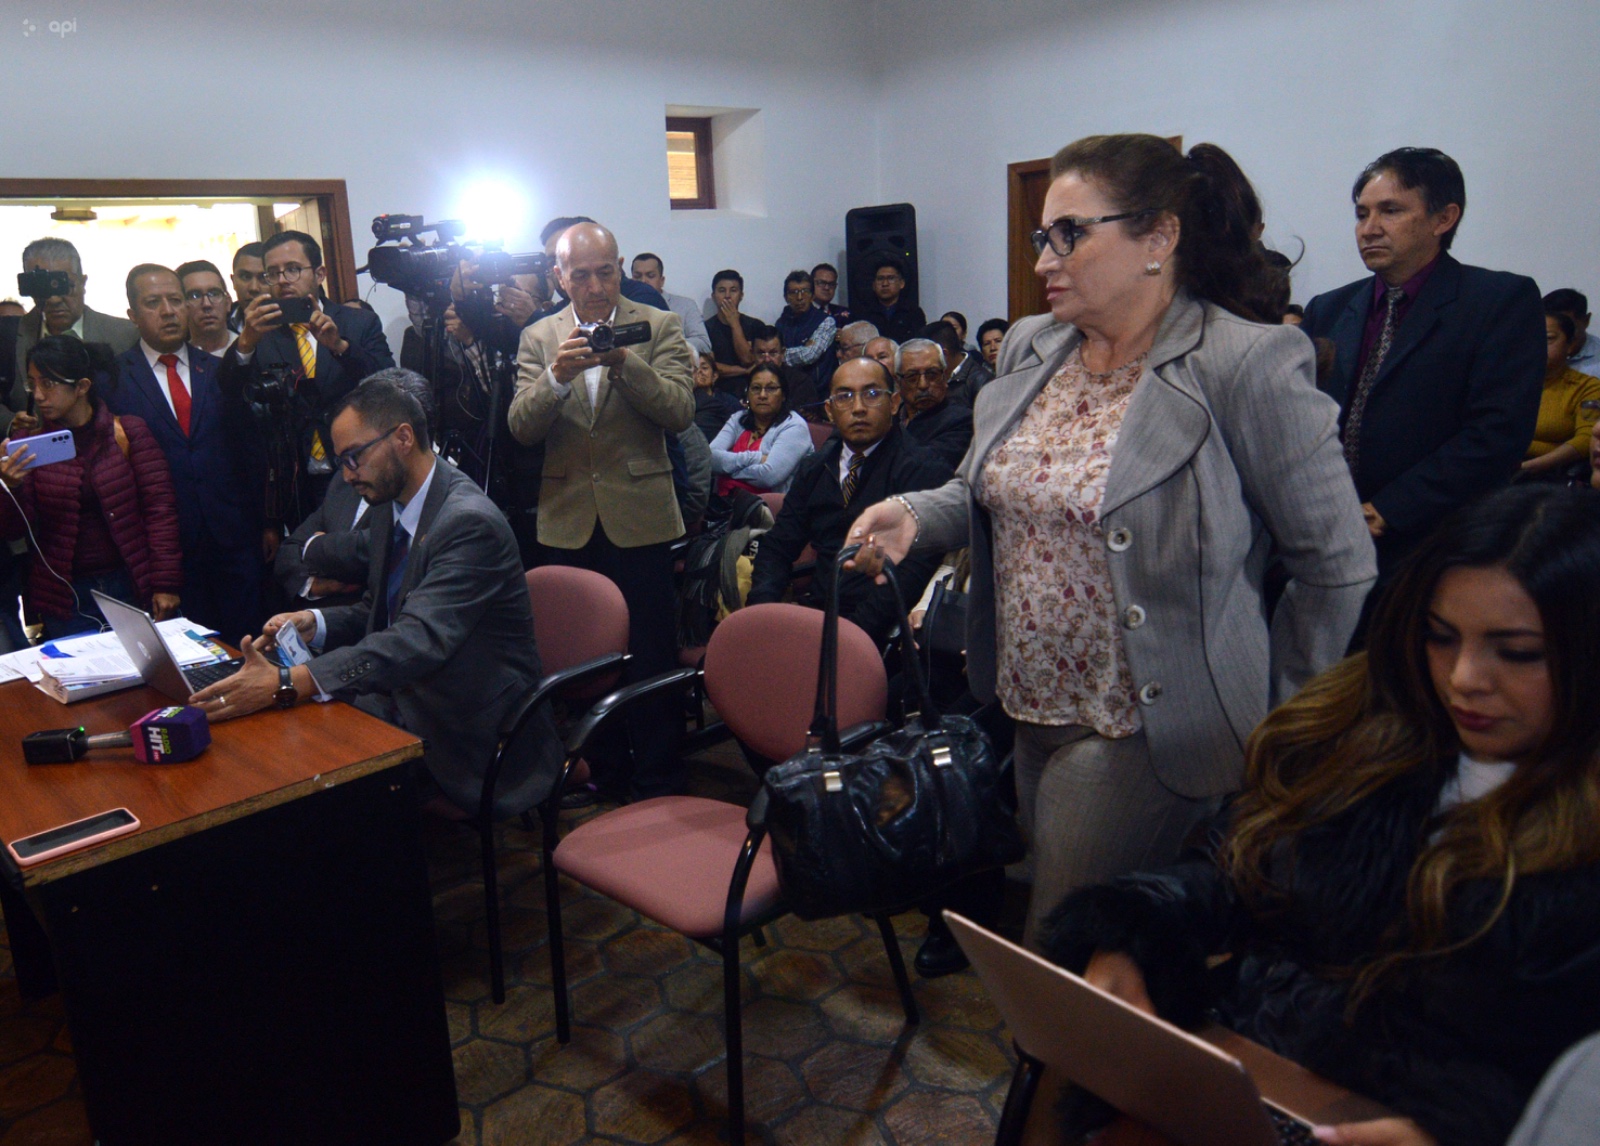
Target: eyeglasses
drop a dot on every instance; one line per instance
(765, 390)
(824, 282)
(794, 292)
(46, 385)
(212, 296)
(1063, 235)
(286, 274)
(885, 280)
(921, 375)
(871, 398)
(351, 458)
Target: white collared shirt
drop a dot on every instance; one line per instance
(153, 356)
(847, 453)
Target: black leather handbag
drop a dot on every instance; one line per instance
(881, 829)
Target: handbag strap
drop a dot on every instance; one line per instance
(824, 732)
(913, 661)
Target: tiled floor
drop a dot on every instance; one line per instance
(829, 1060)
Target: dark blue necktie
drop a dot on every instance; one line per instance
(399, 551)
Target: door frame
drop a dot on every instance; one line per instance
(1021, 283)
(339, 256)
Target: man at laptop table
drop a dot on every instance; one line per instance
(442, 641)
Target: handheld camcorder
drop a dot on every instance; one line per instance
(604, 338)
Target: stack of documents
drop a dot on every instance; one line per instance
(76, 668)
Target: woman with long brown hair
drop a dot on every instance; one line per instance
(1409, 885)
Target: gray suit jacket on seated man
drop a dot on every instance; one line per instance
(458, 653)
(442, 641)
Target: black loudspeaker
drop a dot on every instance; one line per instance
(870, 232)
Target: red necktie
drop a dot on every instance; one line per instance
(179, 392)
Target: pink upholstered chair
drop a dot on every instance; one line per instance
(700, 866)
(820, 433)
(580, 626)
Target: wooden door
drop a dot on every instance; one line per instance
(1027, 184)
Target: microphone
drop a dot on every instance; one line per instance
(164, 736)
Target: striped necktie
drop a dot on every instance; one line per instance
(307, 347)
(1369, 375)
(852, 477)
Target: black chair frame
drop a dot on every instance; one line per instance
(734, 926)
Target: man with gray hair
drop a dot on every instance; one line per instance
(942, 426)
(851, 340)
(60, 314)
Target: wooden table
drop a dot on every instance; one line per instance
(257, 963)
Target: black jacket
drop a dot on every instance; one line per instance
(903, 324)
(1458, 1042)
(814, 513)
(946, 430)
(1453, 409)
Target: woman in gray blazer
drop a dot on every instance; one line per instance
(1143, 451)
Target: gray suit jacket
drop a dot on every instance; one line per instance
(341, 552)
(1566, 1107)
(1227, 449)
(117, 333)
(458, 654)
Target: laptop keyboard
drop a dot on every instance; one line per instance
(202, 675)
(1291, 1131)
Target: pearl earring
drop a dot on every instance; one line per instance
(1152, 268)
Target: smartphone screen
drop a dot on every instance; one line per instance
(109, 823)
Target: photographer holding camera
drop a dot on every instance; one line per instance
(600, 383)
(53, 277)
(297, 356)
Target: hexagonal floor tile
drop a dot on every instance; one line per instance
(641, 1106)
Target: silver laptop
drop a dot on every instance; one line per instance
(1183, 1085)
(151, 657)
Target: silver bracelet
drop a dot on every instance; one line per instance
(912, 510)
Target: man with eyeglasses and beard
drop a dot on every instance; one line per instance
(326, 356)
(442, 642)
(869, 459)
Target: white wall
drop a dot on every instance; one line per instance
(862, 102)
(1302, 93)
(409, 103)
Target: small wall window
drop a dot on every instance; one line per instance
(691, 182)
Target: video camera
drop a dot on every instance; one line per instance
(405, 261)
(40, 285)
(604, 338)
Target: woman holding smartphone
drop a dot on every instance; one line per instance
(103, 519)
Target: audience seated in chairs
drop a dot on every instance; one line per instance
(1569, 406)
(758, 449)
(871, 458)
(104, 519)
(1406, 886)
(942, 425)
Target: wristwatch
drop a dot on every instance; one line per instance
(287, 695)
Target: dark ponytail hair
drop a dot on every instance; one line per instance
(63, 358)
(1220, 257)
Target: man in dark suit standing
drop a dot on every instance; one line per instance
(442, 641)
(172, 385)
(60, 314)
(888, 309)
(1438, 365)
(325, 357)
(869, 459)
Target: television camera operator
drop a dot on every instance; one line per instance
(286, 374)
(468, 308)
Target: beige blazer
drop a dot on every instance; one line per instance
(1228, 454)
(606, 463)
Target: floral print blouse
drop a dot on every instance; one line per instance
(1061, 659)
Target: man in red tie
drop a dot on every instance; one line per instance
(172, 385)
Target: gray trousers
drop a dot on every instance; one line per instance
(1092, 809)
